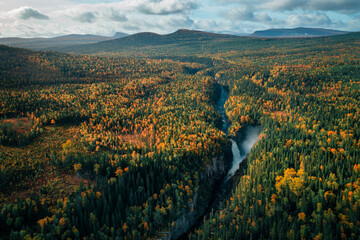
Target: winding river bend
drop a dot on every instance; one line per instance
(240, 148)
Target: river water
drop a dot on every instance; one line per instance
(220, 106)
(249, 134)
(247, 139)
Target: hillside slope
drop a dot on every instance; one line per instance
(61, 41)
(144, 39)
(143, 135)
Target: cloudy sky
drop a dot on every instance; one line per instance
(48, 18)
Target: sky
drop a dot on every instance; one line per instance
(49, 18)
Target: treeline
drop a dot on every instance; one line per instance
(20, 67)
(302, 179)
(152, 144)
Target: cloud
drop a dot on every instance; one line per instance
(116, 16)
(343, 6)
(33, 13)
(206, 24)
(263, 17)
(86, 17)
(162, 25)
(241, 13)
(319, 19)
(178, 22)
(285, 4)
(355, 22)
(165, 16)
(349, 6)
(165, 7)
(27, 13)
(245, 13)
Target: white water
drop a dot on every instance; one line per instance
(250, 134)
(237, 158)
(240, 153)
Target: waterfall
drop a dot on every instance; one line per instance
(237, 158)
(247, 139)
(239, 153)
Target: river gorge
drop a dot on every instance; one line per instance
(240, 147)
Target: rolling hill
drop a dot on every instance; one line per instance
(61, 41)
(144, 39)
(297, 32)
(129, 148)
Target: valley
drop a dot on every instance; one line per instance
(189, 135)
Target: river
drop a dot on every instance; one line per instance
(240, 148)
(249, 136)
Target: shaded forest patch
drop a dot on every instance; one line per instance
(19, 125)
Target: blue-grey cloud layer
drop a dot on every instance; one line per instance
(345, 6)
(28, 13)
(105, 17)
(86, 17)
(117, 16)
(161, 7)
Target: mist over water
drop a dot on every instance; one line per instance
(251, 135)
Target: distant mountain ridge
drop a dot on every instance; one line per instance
(147, 39)
(297, 32)
(94, 44)
(60, 41)
(182, 35)
(120, 35)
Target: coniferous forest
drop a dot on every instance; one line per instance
(129, 144)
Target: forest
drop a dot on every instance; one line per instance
(128, 144)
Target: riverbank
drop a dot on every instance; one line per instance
(220, 187)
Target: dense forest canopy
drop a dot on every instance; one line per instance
(127, 144)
